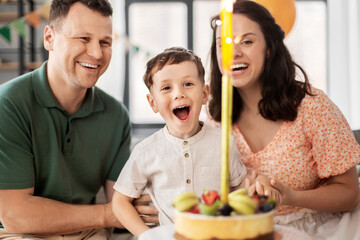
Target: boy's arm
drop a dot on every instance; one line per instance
(126, 213)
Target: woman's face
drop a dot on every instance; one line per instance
(249, 52)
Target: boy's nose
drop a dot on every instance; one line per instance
(179, 94)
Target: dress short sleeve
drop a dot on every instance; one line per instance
(334, 147)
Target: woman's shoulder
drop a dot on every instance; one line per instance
(316, 96)
(318, 113)
(316, 102)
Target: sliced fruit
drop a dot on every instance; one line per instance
(195, 209)
(186, 204)
(241, 191)
(184, 196)
(210, 210)
(245, 199)
(242, 207)
(209, 197)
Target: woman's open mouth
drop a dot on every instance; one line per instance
(239, 67)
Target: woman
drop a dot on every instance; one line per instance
(286, 129)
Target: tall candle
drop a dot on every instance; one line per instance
(226, 106)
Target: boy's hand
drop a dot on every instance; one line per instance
(149, 214)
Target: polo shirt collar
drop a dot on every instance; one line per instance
(190, 140)
(45, 97)
(42, 88)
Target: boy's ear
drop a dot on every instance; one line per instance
(206, 91)
(152, 103)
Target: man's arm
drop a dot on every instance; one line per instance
(22, 212)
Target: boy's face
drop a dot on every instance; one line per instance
(178, 94)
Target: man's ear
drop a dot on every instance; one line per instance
(206, 91)
(49, 35)
(152, 103)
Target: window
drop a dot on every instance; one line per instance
(160, 26)
(156, 25)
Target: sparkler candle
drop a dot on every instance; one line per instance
(226, 100)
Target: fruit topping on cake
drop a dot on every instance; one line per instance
(239, 203)
(185, 202)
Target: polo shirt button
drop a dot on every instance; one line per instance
(68, 140)
(185, 142)
(186, 155)
(188, 181)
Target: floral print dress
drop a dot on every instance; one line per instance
(317, 145)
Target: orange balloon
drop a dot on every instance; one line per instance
(283, 11)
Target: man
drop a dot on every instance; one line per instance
(62, 138)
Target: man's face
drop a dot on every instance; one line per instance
(79, 48)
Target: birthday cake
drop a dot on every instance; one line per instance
(242, 218)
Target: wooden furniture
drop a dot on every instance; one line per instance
(11, 11)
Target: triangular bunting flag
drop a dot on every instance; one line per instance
(116, 36)
(44, 11)
(5, 32)
(33, 18)
(19, 26)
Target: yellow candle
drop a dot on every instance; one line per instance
(226, 114)
(226, 35)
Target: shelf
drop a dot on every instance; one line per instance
(15, 65)
(11, 11)
(8, 16)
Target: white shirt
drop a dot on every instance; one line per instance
(166, 166)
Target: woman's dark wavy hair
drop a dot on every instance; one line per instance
(60, 8)
(281, 92)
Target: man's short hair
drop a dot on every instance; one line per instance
(60, 8)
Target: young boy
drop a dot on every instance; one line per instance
(184, 156)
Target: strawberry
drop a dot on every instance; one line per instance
(209, 197)
(195, 209)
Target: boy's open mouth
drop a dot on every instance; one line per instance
(182, 112)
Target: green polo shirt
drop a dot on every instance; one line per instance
(66, 158)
